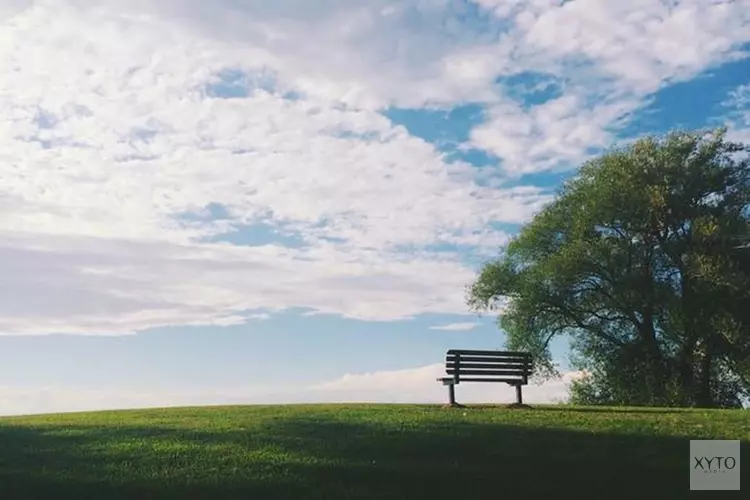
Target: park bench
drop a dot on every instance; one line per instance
(509, 367)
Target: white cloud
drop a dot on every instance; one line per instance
(456, 327)
(613, 56)
(364, 53)
(55, 399)
(740, 97)
(259, 316)
(376, 53)
(641, 43)
(420, 385)
(10, 8)
(557, 134)
(737, 105)
(95, 286)
(104, 144)
(644, 42)
(414, 385)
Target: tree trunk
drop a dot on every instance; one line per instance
(704, 398)
(686, 364)
(655, 361)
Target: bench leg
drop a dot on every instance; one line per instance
(519, 398)
(452, 394)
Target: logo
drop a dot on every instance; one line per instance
(714, 465)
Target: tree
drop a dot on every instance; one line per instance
(640, 261)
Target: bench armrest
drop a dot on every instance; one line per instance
(447, 380)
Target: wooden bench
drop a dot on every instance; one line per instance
(509, 367)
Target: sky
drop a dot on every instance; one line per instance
(255, 201)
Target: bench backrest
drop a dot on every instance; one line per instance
(489, 366)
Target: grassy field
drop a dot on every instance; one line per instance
(359, 452)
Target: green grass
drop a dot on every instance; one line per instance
(358, 452)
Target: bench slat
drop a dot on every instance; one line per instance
(492, 359)
(490, 366)
(513, 381)
(462, 372)
(480, 359)
(486, 359)
(490, 353)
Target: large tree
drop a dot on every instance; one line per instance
(641, 260)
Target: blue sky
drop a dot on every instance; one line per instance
(220, 210)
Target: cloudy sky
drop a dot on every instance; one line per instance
(244, 201)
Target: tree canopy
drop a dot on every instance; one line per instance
(641, 260)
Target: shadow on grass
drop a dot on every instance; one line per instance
(309, 458)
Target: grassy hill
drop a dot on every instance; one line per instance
(358, 452)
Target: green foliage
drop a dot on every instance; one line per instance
(354, 452)
(637, 259)
(620, 374)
